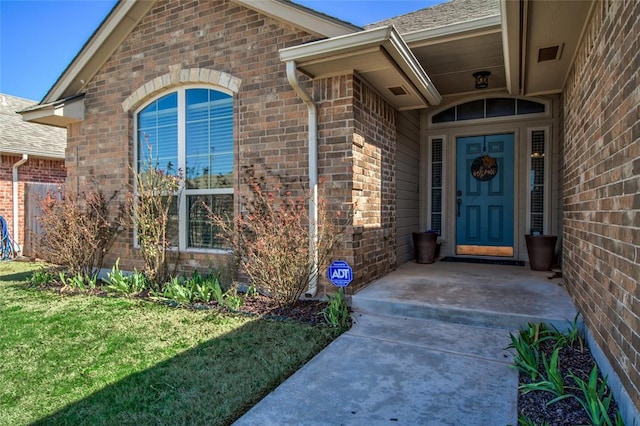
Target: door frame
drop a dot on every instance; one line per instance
(521, 126)
(455, 186)
(449, 137)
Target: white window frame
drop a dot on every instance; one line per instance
(489, 120)
(443, 201)
(184, 192)
(546, 212)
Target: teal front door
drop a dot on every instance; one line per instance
(484, 195)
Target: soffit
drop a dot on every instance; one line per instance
(380, 56)
(507, 45)
(548, 24)
(60, 113)
(451, 60)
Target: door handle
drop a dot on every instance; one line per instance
(459, 204)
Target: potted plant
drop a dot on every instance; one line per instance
(424, 244)
(541, 249)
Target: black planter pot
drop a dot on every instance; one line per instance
(541, 249)
(424, 244)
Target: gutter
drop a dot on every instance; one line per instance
(24, 159)
(313, 175)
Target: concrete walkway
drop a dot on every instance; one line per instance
(427, 348)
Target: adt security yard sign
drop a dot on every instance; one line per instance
(340, 273)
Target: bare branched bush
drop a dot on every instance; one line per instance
(270, 238)
(154, 209)
(77, 230)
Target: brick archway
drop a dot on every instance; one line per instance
(178, 76)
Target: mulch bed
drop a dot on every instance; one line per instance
(305, 311)
(567, 411)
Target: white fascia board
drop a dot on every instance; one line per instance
(412, 68)
(385, 37)
(475, 27)
(510, 13)
(120, 18)
(336, 45)
(301, 18)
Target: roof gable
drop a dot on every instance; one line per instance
(126, 15)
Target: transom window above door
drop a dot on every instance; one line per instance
(489, 108)
(190, 132)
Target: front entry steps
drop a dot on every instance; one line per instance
(495, 296)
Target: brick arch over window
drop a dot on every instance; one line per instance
(176, 77)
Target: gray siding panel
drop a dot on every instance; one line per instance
(407, 181)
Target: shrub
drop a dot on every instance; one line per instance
(153, 199)
(77, 230)
(270, 238)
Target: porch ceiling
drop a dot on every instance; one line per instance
(508, 45)
(549, 24)
(451, 63)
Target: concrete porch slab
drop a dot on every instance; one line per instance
(500, 296)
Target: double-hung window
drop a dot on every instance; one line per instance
(190, 132)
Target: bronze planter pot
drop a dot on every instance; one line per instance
(541, 249)
(424, 244)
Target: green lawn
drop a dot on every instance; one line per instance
(100, 360)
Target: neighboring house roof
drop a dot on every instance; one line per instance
(451, 12)
(20, 137)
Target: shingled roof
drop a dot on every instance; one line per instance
(21, 137)
(451, 12)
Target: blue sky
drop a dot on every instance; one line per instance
(39, 38)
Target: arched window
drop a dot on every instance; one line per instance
(488, 108)
(190, 131)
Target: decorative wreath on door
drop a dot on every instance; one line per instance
(485, 167)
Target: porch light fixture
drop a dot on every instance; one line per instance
(482, 79)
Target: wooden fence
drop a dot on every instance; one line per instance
(34, 194)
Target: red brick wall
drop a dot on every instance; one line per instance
(33, 171)
(334, 97)
(271, 121)
(374, 184)
(602, 185)
(356, 128)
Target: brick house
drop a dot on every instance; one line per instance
(29, 154)
(393, 117)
